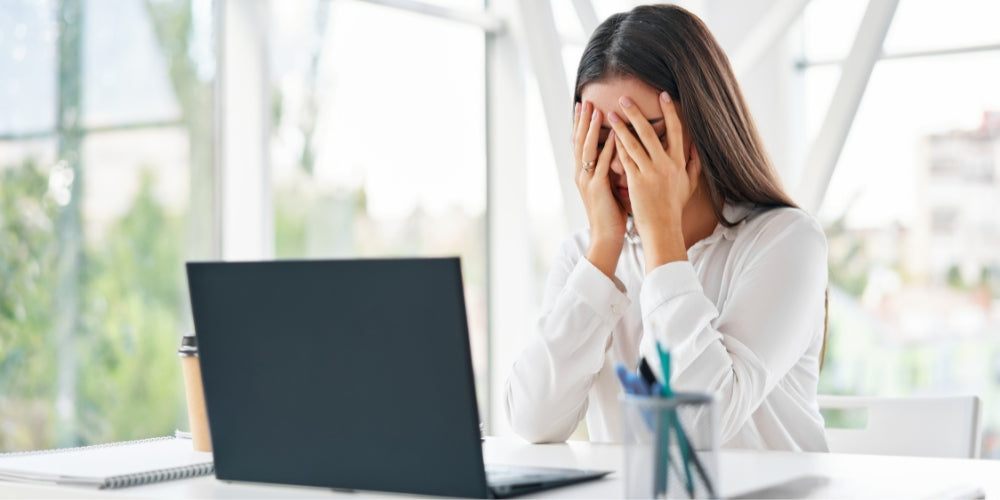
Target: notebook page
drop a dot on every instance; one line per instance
(100, 462)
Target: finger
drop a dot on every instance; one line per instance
(577, 112)
(579, 133)
(607, 153)
(647, 136)
(631, 169)
(589, 151)
(675, 133)
(628, 142)
(576, 122)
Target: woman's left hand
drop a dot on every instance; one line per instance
(660, 178)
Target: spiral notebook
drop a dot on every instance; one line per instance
(113, 465)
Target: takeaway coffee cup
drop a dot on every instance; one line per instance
(197, 416)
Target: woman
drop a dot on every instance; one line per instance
(692, 242)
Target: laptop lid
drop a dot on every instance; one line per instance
(352, 374)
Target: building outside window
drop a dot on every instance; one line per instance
(911, 210)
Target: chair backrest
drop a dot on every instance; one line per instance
(916, 426)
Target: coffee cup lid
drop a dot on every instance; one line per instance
(189, 345)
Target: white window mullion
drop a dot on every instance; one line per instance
(855, 72)
(244, 127)
(509, 247)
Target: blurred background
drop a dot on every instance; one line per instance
(138, 134)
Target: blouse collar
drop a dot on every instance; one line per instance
(735, 213)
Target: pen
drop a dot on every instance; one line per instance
(637, 386)
(666, 391)
(689, 454)
(662, 448)
(673, 421)
(646, 372)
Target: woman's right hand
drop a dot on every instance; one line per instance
(606, 216)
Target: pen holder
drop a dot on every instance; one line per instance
(195, 395)
(671, 450)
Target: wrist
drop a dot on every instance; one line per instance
(663, 248)
(604, 255)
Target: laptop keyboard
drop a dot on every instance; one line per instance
(502, 473)
(510, 480)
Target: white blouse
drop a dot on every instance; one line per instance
(743, 318)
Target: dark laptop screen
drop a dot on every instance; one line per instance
(342, 373)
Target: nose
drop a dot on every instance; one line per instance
(616, 164)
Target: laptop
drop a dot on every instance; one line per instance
(347, 374)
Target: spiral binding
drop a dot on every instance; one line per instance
(155, 476)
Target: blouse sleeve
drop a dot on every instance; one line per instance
(771, 315)
(547, 389)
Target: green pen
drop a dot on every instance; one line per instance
(673, 422)
(665, 389)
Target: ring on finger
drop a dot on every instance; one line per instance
(588, 166)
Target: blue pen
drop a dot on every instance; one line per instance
(630, 382)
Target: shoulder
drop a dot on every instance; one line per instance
(765, 228)
(783, 221)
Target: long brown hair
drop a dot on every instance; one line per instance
(671, 49)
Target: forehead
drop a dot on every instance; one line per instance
(606, 92)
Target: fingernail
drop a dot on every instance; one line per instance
(625, 102)
(576, 108)
(665, 97)
(613, 117)
(595, 115)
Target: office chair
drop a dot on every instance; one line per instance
(915, 426)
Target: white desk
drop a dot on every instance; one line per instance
(857, 476)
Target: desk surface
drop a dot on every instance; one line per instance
(845, 476)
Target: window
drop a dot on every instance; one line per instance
(910, 210)
(378, 144)
(105, 148)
